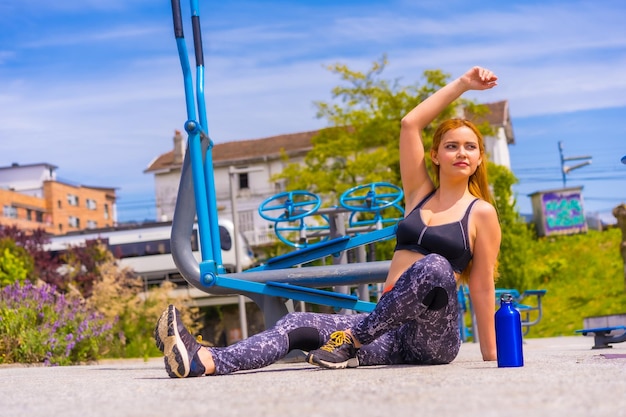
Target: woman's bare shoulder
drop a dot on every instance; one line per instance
(485, 226)
(484, 211)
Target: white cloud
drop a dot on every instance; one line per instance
(94, 38)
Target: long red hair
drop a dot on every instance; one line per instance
(478, 183)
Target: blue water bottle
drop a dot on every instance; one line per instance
(508, 334)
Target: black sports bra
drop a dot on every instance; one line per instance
(450, 240)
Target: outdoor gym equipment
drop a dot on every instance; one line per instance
(379, 197)
(288, 211)
(272, 283)
(290, 206)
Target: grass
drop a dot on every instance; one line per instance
(583, 275)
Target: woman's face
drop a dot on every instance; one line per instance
(458, 153)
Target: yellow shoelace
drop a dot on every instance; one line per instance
(337, 339)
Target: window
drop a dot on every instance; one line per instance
(10, 212)
(226, 241)
(246, 221)
(73, 221)
(59, 205)
(39, 217)
(134, 249)
(72, 200)
(29, 214)
(244, 183)
(92, 224)
(91, 204)
(106, 211)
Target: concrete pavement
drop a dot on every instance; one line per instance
(561, 377)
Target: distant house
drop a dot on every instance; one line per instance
(497, 146)
(257, 160)
(260, 157)
(31, 198)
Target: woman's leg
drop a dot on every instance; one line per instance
(383, 351)
(305, 331)
(429, 284)
(185, 357)
(418, 305)
(434, 339)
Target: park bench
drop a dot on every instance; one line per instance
(605, 329)
(604, 336)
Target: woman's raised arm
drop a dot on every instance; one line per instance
(415, 179)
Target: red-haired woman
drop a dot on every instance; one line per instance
(450, 234)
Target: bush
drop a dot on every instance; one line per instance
(15, 262)
(100, 310)
(119, 296)
(517, 238)
(45, 266)
(40, 325)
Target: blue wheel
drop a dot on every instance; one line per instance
(371, 197)
(299, 234)
(289, 206)
(387, 216)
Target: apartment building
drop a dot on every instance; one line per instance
(31, 198)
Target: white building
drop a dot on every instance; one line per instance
(261, 158)
(499, 118)
(258, 160)
(27, 179)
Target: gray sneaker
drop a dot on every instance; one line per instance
(339, 352)
(178, 345)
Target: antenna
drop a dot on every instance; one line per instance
(565, 169)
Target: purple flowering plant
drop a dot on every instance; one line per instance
(94, 309)
(40, 325)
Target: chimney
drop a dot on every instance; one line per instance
(178, 148)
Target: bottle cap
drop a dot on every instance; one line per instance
(506, 297)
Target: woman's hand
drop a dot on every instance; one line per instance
(479, 78)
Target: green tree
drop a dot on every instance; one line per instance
(361, 146)
(517, 237)
(16, 265)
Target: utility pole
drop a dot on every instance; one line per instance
(567, 169)
(232, 177)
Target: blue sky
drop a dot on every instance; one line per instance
(95, 87)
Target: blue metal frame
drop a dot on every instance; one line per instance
(325, 248)
(296, 292)
(275, 280)
(196, 127)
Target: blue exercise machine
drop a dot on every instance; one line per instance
(276, 281)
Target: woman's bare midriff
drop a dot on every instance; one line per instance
(402, 260)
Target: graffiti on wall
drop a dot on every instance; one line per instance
(563, 212)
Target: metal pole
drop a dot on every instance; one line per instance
(562, 163)
(567, 169)
(243, 320)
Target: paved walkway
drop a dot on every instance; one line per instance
(561, 377)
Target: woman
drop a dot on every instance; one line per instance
(449, 234)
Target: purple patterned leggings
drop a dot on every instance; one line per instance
(414, 323)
